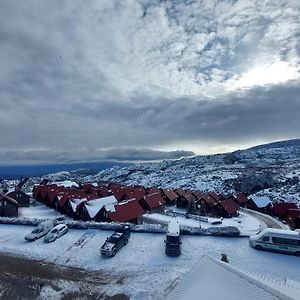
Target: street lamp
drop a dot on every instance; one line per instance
(199, 206)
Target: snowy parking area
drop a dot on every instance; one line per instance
(146, 270)
(246, 223)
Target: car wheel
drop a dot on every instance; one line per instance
(258, 247)
(126, 242)
(114, 253)
(297, 254)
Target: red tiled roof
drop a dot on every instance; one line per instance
(241, 198)
(114, 185)
(209, 200)
(118, 193)
(171, 195)
(56, 192)
(126, 211)
(199, 194)
(154, 200)
(136, 193)
(102, 191)
(230, 206)
(214, 195)
(88, 187)
(66, 197)
(188, 195)
(282, 208)
(9, 199)
(153, 190)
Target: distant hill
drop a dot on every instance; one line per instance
(280, 144)
(15, 172)
(271, 169)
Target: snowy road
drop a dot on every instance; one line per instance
(143, 266)
(266, 219)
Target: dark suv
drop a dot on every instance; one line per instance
(116, 241)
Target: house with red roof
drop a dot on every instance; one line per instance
(126, 211)
(227, 208)
(39, 192)
(97, 209)
(73, 203)
(205, 203)
(280, 209)
(241, 199)
(293, 217)
(185, 198)
(153, 190)
(22, 198)
(89, 188)
(214, 195)
(135, 193)
(118, 193)
(152, 202)
(169, 196)
(104, 191)
(8, 206)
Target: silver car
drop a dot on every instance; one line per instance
(55, 233)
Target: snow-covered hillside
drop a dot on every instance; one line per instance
(271, 169)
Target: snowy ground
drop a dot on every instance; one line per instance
(146, 270)
(38, 212)
(247, 224)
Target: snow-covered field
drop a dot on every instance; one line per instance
(38, 212)
(147, 270)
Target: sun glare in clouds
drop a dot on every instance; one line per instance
(275, 73)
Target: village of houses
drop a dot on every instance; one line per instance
(114, 203)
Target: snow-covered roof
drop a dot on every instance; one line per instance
(75, 202)
(211, 279)
(261, 201)
(94, 206)
(173, 228)
(66, 183)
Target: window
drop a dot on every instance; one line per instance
(283, 241)
(266, 239)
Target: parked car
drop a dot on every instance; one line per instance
(173, 243)
(55, 233)
(277, 240)
(116, 241)
(39, 231)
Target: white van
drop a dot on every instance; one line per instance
(277, 240)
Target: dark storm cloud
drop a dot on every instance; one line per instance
(78, 78)
(89, 155)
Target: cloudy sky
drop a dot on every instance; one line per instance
(91, 80)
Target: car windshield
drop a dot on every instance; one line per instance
(113, 239)
(54, 230)
(172, 239)
(37, 230)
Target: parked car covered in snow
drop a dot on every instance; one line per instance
(55, 233)
(39, 231)
(115, 242)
